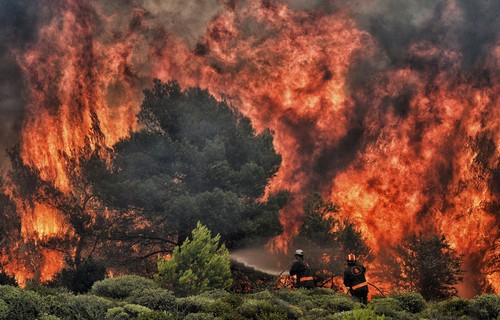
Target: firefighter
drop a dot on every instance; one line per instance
(355, 280)
(302, 271)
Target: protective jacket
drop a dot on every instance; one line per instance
(355, 280)
(301, 269)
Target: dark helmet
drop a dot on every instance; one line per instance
(351, 258)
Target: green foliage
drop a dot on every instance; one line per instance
(199, 316)
(48, 317)
(411, 301)
(155, 315)
(59, 305)
(155, 299)
(193, 304)
(8, 293)
(356, 314)
(121, 287)
(456, 307)
(428, 266)
(199, 265)
(25, 305)
(337, 303)
(128, 311)
(485, 307)
(88, 307)
(4, 310)
(386, 306)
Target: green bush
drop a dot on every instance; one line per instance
(193, 304)
(155, 299)
(155, 315)
(411, 301)
(26, 305)
(336, 302)
(199, 316)
(128, 311)
(88, 307)
(486, 306)
(456, 307)
(121, 287)
(356, 314)
(386, 306)
(48, 317)
(8, 293)
(59, 305)
(117, 313)
(251, 308)
(4, 310)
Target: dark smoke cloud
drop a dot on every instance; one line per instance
(18, 25)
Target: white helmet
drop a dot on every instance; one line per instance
(299, 252)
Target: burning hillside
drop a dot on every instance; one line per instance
(388, 108)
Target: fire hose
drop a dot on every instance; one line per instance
(371, 284)
(279, 276)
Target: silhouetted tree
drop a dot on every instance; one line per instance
(81, 278)
(195, 160)
(427, 265)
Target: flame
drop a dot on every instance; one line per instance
(401, 147)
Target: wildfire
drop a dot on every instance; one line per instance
(399, 146)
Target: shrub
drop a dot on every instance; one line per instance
(456, 307)
(486, 306)
(26, 305)
(411, 301)
(155, 315)
(251, 308)
(4, 310)
(336, 302)
(48, 317)
(199, 316)
(193, 304)
(155, 299)
(59, 305)
(356, 314)
(8, 293)
(117, 313)
(88, 307)
(121, 287)
(386, 306)
(128, 311)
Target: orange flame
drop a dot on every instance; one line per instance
(400, 148)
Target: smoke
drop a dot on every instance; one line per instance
(18, 23)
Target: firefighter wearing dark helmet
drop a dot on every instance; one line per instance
(355, 280)
(302, 271)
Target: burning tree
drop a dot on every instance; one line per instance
(427, 265)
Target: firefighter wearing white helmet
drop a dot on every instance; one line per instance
(300, 268)
(355, 280)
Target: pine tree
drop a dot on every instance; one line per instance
(426, 265)
(198, 265)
